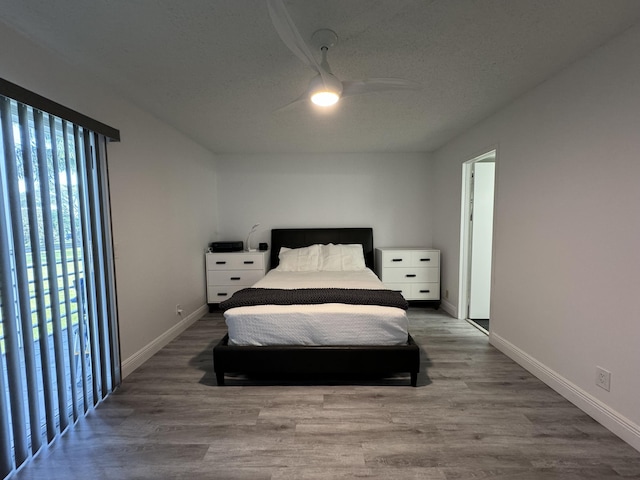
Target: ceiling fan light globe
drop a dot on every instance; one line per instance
(325, 90)
(325, 99)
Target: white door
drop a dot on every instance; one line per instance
(483, 179)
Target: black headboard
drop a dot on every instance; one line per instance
(303, 237)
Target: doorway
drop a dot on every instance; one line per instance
(478, 176)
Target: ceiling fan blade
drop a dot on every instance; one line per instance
(302, 98)
(290, 36)
(371, 85)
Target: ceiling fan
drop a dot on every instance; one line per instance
(325, 89)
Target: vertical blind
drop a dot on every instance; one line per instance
(59, 350)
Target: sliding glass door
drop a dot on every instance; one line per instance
(58, 317)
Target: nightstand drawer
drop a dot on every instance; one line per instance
(396, 259)
(417, 291)
(410, 275)
(219, 293)
(425, 291)
(237, 261)
(425, 258)
(237, 277)
(402, 288)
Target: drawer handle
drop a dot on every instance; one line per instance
(398, 291)
(410, 275)
(396, 259)
(249, 262)
(222, 294)
(425, 259)
(221, 263)
(425, 291)
(234, 278)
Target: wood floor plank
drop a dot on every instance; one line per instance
(475, 414)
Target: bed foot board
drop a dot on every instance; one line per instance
(317, 360)
(220, 379)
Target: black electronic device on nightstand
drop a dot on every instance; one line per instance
(233, 246)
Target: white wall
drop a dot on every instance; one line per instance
(163, 199)
(567, 229)
(390, 192)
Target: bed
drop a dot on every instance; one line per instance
(390, 351)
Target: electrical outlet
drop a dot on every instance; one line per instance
(178, 309)
(446, 293)
(603, 378)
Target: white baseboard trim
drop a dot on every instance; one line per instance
(449, 307)
(602, 413)
(149, 350)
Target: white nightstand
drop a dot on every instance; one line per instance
(232, 271)
(414, 272)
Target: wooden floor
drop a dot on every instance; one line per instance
(475, 414)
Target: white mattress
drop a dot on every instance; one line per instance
(326, 324)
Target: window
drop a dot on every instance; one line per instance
(59, 351)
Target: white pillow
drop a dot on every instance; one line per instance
(341, 258)
(305, 259)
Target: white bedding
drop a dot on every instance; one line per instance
(326, 324)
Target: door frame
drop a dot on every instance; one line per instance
(464, 280)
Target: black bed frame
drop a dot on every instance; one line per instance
(293, 359)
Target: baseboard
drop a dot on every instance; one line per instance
(603, 414)
(148, 351)
(449, 307)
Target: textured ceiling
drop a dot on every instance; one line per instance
(217, 71)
